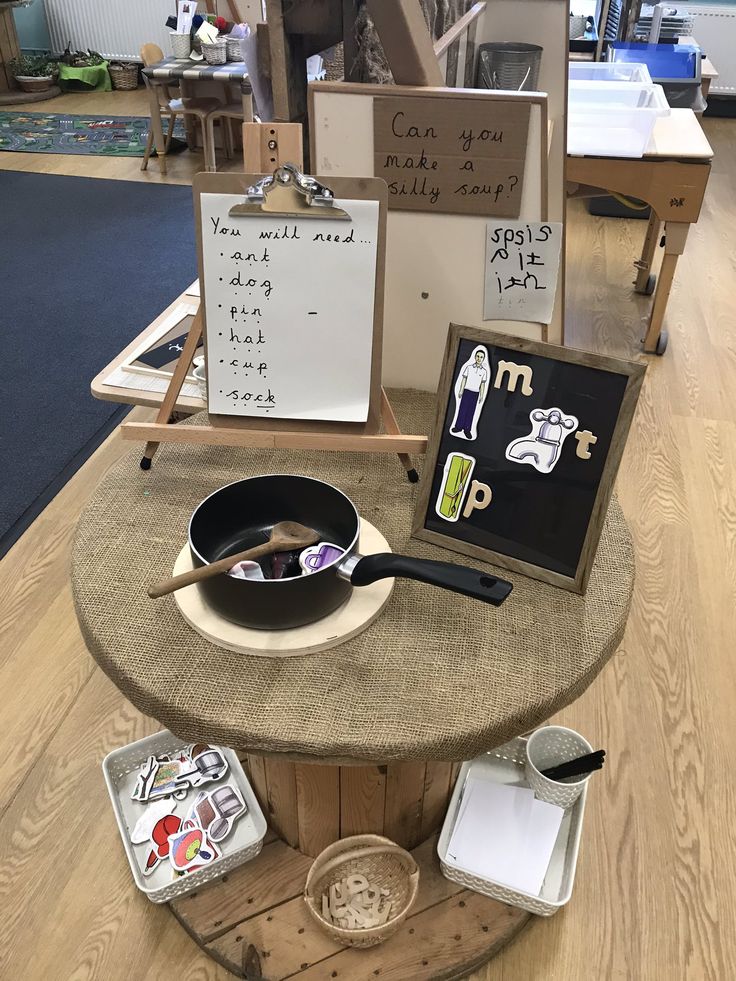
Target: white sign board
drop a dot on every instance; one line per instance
(289, 311)
(522, 265)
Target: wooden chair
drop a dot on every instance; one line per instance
(233, 110)
(171, 105)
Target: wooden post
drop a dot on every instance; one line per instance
(267, 146)
(288, 67)
(9, 49)
(406, 41)
(310, 805)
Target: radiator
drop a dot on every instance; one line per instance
(114, 28)
(715, 31)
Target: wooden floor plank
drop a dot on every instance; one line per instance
(456, 931)
(273, 877)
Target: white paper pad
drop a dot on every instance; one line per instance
(504, 834)
(289, 305)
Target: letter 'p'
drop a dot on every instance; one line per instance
(479, 497)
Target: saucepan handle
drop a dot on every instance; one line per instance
(458, 578)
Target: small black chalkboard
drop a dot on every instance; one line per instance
(527, 442)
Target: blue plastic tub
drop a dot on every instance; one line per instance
(666, 62)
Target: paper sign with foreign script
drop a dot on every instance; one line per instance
(522, 267)
(458, 156)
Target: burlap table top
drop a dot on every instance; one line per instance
(436, 677)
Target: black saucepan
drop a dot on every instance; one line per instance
(241, 515)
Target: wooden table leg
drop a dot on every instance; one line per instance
(157, 127)
(187, 91)
(644, 265)
(247, 96)
(675, 238)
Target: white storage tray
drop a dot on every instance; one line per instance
(608, 71)
(120, 768)
(506, 765)
(612, 119)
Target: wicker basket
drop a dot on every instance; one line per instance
(577, 26)
(181, 45)
(234, 52)
(215, 53)
(381, 861)
(34, 83)
(124, 75)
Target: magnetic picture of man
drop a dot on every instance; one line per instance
(470, 393)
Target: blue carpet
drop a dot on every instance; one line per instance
(85, 265)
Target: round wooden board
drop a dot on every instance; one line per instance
(352, 618)
(16, 97)
(254, 922)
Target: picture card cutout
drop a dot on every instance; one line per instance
(522, 270)
(458, 156)
(529, 488)
(289, 306)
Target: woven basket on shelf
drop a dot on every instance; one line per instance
(234, 52)
(384, 864)
(215, 53)
(124, 75)
(577, 26)
(181, 44)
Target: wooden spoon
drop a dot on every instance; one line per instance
(285, 537)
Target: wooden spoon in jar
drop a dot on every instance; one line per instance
(285, 537)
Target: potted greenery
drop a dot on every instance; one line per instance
(83, 71)
(34, 73)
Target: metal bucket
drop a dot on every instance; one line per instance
(509, 65)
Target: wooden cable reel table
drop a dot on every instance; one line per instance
(360, 738)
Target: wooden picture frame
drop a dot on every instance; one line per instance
(510, 385)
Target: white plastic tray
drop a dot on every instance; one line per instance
(612, 119)
(120, 768)
(506, 765)
(608, 71)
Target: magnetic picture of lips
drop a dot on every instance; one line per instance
(165, 826)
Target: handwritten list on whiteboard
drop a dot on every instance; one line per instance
(289, 308)
(522, 268)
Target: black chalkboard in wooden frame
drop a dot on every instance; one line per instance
(526, 445)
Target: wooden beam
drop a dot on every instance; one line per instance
(262, 439)
(314, 17)
(406, 41)
(288, 67)
(459, 28)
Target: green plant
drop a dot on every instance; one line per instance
(33, 66)
(80, 59)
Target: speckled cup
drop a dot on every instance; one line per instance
(181, 45)
(547, 747)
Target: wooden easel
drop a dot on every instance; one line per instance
(287, 193)
(161, 431)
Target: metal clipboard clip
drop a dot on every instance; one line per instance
(288, 193)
